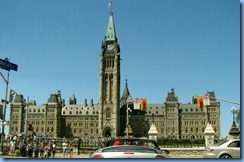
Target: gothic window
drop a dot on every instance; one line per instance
(70, 112)
(43, 110)
(77, 112)
(38, 110)
(29, 110)
(63, 112)
(87, 112)
(108, 113)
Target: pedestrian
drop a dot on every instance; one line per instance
(36, 149)
(42, 146)
(29, 149)
(46, 151)
(71, 149)
(78, 147)
(53, 148)
(12, 148)
(22, 148)
(65, 145)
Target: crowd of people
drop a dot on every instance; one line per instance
(33, 149)
(30, 148)
(46, 148)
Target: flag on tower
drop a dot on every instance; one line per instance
(109, 4)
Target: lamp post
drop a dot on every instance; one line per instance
(129, 100)
(233, 110)
(26, 117)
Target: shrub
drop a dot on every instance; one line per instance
(17, 152)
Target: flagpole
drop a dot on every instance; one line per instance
(110, 5)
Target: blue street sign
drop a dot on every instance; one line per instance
(5, 64)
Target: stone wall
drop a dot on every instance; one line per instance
(185, 152)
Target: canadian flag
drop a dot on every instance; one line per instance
(109, 4)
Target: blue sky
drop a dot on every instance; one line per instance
(192, 46)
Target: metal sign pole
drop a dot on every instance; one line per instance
(4, 113)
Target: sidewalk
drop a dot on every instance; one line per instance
(57, 155)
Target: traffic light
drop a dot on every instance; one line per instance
(11, 95)
(200, 102)
(143, 106)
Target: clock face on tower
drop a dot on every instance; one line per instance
(110, 47)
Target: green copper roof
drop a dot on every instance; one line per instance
(110, 34)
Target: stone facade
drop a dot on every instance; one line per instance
(172, 119)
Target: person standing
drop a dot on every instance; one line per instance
(53, 148)
(29, 149)
(65, 145)
(78, 147)
(22, 148)
(42, 146)
(12, 148)
(36, 149)
(71, 149)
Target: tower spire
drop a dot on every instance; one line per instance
(110, 33)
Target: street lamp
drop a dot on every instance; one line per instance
(129, 100)
(233, 110)
(26, 117)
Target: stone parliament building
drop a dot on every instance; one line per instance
(108, 117)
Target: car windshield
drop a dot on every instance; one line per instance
(129, 149)
(137, 142)
(221, 143)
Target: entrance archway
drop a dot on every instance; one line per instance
(107, 132)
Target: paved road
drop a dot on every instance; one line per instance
(60, 155)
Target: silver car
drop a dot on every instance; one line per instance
(128, 151)
(130, 148)
(223, 149)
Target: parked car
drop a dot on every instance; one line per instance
(130, 148)
(223, 149)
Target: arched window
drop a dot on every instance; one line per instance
(108, 113)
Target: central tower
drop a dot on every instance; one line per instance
(109, 92)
